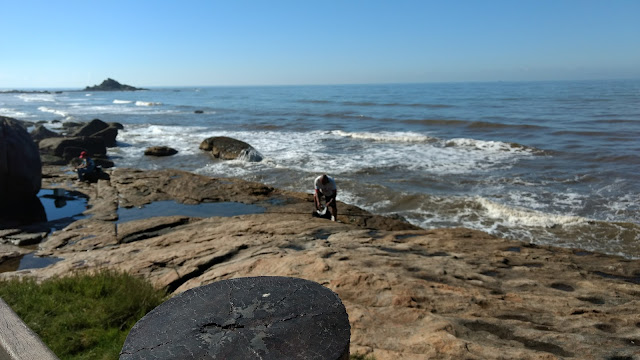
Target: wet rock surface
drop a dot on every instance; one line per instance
(160, 151)
(226, 148)
(410, 293)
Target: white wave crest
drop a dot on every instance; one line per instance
(408, 137)
(13, 113)
(250, 155)
(513, 216)
(53, 111)
(493, 146)
(116, 101)
(147, 103)
(37, 97)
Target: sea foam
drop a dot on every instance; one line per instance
(147, 103)
(513, 216)
(385, 136)
(13, 113)
(53, 111)
(37, 97)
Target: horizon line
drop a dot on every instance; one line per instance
(143, 87)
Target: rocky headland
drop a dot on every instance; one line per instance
(112, 85)
(410, 293)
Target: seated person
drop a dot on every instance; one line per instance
(86, 167)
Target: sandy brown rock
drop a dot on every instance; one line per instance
(410, 293)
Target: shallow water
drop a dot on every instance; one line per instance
(68, 206)
(27, 261)
(170, 208)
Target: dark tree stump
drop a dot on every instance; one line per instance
(245, 318)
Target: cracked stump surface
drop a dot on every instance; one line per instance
(267, 317)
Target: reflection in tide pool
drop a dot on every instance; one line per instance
(60, 204)
(27, 261)
(30, 261)
(171, 208)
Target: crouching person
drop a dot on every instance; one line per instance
(86, 167)
(325, 189)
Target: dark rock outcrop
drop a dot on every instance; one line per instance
(111, 85)
(70, 147)
(99, 128)
(226, 148)
(20, 174)
(262, 317)
(160, 151)
(116, 125)
(40, 132)
(20, 167)
(91, 128)
(108, 135)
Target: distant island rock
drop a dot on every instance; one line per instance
(112, 85)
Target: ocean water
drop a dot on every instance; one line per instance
(544, 162)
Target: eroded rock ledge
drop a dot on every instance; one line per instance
(410, 293)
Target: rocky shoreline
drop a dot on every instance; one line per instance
(410, 293)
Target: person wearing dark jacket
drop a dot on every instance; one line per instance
(86, 167)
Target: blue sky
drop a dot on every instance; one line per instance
(72, 44)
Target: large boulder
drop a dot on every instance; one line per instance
(109, 135)
(91, 128)
(57, 146)
(259, 317)
(40, 132)
(116, 125)
(99, 128)
(160, 151)
(226, 148)
(20, 173)
(20, 167)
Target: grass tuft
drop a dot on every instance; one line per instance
(82, 316)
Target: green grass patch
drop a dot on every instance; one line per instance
(82, 316)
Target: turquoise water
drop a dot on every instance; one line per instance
(544, 162)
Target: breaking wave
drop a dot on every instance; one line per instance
(53, 111)
(513, 216)
(406, 137)
(147, 103)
